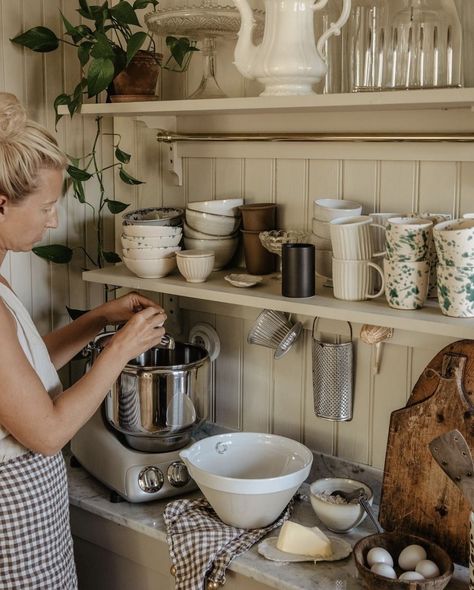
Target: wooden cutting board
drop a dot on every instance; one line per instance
(417, 497)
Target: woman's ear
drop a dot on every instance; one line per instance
(3, 207)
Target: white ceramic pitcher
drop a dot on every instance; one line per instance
(288, 61)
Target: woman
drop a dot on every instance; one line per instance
(37, 418)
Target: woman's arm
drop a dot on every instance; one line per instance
(26, 410)
(64, 343)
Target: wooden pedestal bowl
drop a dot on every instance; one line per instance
(394, 543)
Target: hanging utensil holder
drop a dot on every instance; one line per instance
(332, 376)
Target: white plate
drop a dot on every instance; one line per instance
(243, 280)
(340, 550)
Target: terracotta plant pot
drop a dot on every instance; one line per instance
(258, 260)
(140, 77)
(258, 216)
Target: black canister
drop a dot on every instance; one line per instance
(298, 270)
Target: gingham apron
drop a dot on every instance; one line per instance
(36, 551)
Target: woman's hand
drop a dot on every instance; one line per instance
(143, 331)
(119, 311)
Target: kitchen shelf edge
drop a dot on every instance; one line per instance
(428, 320)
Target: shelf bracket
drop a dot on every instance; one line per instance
(174, 160)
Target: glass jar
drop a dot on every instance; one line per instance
(332, 82)
(466, 16)
(423, 45)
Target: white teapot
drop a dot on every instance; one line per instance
(288, 61)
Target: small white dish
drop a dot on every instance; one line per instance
(243, 280)
(268, 548)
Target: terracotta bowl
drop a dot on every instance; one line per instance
(394, 543)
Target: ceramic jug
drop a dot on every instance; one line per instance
(288, 61)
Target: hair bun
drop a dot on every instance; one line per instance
(13, 116)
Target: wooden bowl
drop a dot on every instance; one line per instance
(394, 543)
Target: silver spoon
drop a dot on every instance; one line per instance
(361, 497)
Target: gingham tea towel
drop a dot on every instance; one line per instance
(201, 545)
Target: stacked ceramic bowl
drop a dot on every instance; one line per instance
(150, 239)
(324, 211)
(213, 225)
(454, 241)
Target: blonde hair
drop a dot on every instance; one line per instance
(25, 148)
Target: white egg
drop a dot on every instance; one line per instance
(427, 568)
(385, 570)
(379, 555)
(410, 556)
(409, 576)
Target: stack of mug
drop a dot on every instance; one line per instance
(257, 217)
(407, 264)
(353, 272)
(454, 241)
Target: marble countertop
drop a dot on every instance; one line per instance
(87, 493)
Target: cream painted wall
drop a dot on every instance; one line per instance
(252, 391)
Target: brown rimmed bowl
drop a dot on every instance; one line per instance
(394, 543)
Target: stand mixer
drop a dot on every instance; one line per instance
(132, 443)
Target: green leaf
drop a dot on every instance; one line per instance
(75, 313)
(84, 31)
(78, 174)
(139, 4)
(124, 13)
(83, 52)
(134, 44)
(71, 30)
(180, 48)
(38, 39)
(120, 60)
(79, 90)
(85, 6)
(61, 99)
(116, 206)
(122, 156)
(79, 191)
(54, 253)
(103, 47)
(111, 257)
(99, 75)
(127, 178)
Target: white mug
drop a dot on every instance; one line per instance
(353, 279)
(352, 238)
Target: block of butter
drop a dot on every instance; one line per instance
(301, 540)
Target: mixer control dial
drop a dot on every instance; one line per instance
(178, 475)
(150, 480)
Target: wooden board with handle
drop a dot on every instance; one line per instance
(417, 497)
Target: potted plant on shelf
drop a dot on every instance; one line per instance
(111, 52)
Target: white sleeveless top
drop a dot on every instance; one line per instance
(36, 352)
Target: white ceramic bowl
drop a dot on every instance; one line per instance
(189, 232)
(248, 477)
(229, 207)
(151, 269)
(208, 223)
(150, 231)
(328, 209)
(195, 265)
(223, 249)
(154, 216)
(321, 229)
(150, 253)
(339, 518)
(142, 242)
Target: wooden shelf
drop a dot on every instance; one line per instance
(428, 320)
(444, 98)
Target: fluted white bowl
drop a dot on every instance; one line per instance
(143, 242)
(229, 207)
(151, 269)
(223, 249)
(208, 223)
(328, 209)
(189, 232)
(195, 265)
(150, 253)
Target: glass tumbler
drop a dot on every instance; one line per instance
(423, 45)
(332, 81)
(364, 43)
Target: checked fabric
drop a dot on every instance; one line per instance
(202, 546)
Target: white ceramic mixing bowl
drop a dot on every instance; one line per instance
(248, 477)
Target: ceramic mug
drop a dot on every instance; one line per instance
(353, 279)
(409, 238)
(351, 238)
(454, 241)
(456, 291)
(406, 283)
